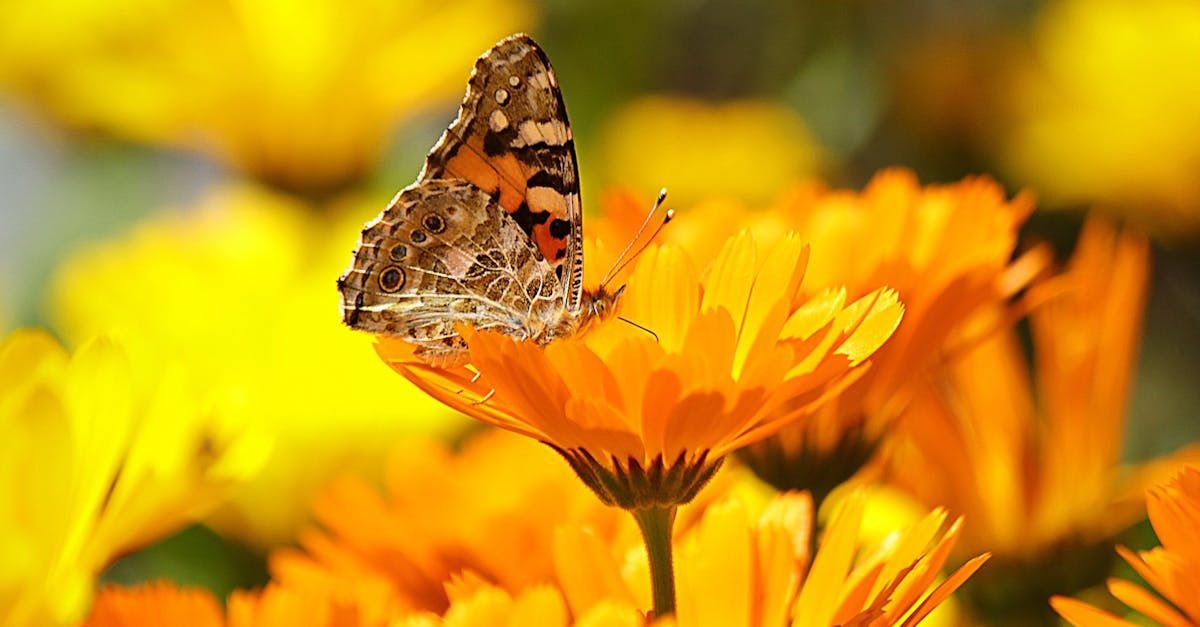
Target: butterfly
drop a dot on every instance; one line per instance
(490, 234)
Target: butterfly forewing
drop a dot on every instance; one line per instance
(441, 254)
(511, 139)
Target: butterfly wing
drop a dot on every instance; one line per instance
(442, 253)
(512, 140)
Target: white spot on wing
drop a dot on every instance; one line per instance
(552, 132)
(498, 121)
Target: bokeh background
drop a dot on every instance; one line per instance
(194, 172)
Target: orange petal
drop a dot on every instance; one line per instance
(1081, 614)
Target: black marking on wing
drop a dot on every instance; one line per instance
(499, 142)
(557, 182)
(560, 228)
(527, 218)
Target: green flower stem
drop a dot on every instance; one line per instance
(656, 524)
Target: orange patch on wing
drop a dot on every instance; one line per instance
(503, 173)
(547, 243)
(511, 171)
(467, 165)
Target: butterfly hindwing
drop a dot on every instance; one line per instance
(512, 140)
(443, 253)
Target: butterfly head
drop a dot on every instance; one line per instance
(602, 304)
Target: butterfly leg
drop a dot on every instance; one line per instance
(474, 379)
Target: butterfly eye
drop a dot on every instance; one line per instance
(391, 279)
(398, 252)
(434, 223)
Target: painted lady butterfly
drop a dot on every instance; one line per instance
(490, 234)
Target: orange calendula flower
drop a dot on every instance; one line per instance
(945, 249)
(1039, 474)
(461, 516)
(162, 603)
(646, 418)
(1172, 569)
(475, 604)
(153, 604)
(443, 515)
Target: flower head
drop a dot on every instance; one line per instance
(235, 292)
(445, 516)
(945, 249)
(1172, 569)
(303, 94)
(1039, 474)
(98, 459)
(646, 418)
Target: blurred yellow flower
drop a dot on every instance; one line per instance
(646, 419)
(1172, 569)
(302, 93)
(947, 251)
(1110, 109)
(737, 568)
(98, 458)
(1039, 475)
(745, 150)
(237, 289)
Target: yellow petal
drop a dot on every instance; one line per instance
(872, 319)
(822, 588)
(730, 279)
(713, 570)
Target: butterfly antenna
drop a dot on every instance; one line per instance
(624, 258)
(617, 269)
(631, 322)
